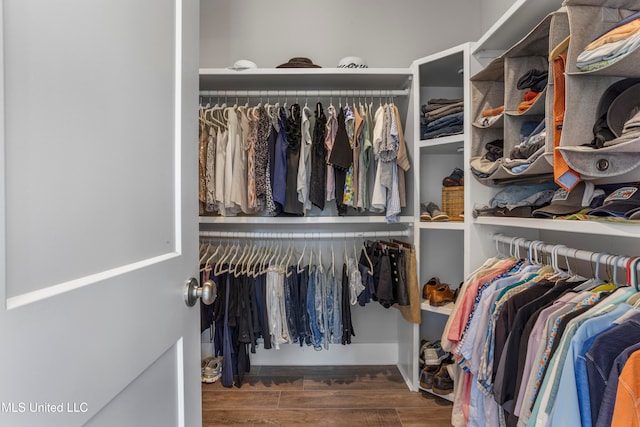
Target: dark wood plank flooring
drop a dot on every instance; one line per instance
(323, 395)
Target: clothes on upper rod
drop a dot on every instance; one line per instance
(542, 348)
(275, 301)
(270, 160)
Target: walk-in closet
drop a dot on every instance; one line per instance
(408, 213)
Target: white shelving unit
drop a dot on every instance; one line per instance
(440, 244)
(382, 335)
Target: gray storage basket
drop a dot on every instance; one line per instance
(589, 19)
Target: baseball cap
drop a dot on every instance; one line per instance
(243, 64)
(352, 62)
(619, 202)
(565, 202)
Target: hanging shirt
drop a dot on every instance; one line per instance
(379, 197)
(332, 129)
(280, 164)
(349, 122)
(250, 147)
(239, 175)
(210, 178)
(304, 166)
(221, 153)
(233, 143)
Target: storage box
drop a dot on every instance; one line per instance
(453, 202)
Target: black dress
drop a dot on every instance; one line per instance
(294, 139)
(318, 186)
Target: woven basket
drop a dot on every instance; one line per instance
(453, 202)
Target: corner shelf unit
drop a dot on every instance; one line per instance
(440, 245)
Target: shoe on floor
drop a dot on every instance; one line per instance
(212, 371)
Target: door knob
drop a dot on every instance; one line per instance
(207, 292)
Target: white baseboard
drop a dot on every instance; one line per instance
(352, 354)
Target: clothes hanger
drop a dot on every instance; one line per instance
(366, 255)
(225, 253)
(304, 249)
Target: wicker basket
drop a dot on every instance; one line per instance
(453, 202)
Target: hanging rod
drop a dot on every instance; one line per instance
(303, 93)
(300, 235)
(561, 250)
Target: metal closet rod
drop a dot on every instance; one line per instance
(561, 250)
(303, 235)
(302, 93)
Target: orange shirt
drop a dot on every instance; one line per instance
(627, 409)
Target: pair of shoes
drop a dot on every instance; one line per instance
(456, 178)
(442, 381)
(432, 212)
(442, 295)
(430, 287)
(212, 370)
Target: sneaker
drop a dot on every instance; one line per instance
(423, 345)
(434, 354)
(424, 213)
(436, 213)
(212, 371)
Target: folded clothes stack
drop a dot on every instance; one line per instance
(532, 146)
(485, 166)
(534, 81)
(442, 117)
(490, 116)
(618, 42)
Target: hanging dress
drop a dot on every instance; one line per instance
(294, 139)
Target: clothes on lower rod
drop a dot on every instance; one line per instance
(310, 306)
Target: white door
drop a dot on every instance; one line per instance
(98, 212)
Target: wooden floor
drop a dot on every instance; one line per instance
(323, 395)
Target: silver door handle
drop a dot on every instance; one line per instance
(207, 292)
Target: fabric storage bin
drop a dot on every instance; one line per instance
(487, 93)
(532, 52)
(529, 53)
(589, 19)
(453, 202)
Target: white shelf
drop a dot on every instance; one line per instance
(300, 220)
(443, 145)
(568, 226)
(513, 25)
(305, 79)
(445, 309)
(448, 397)
(441, 225)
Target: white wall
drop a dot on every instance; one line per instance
(491, 10)
(386, 34)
